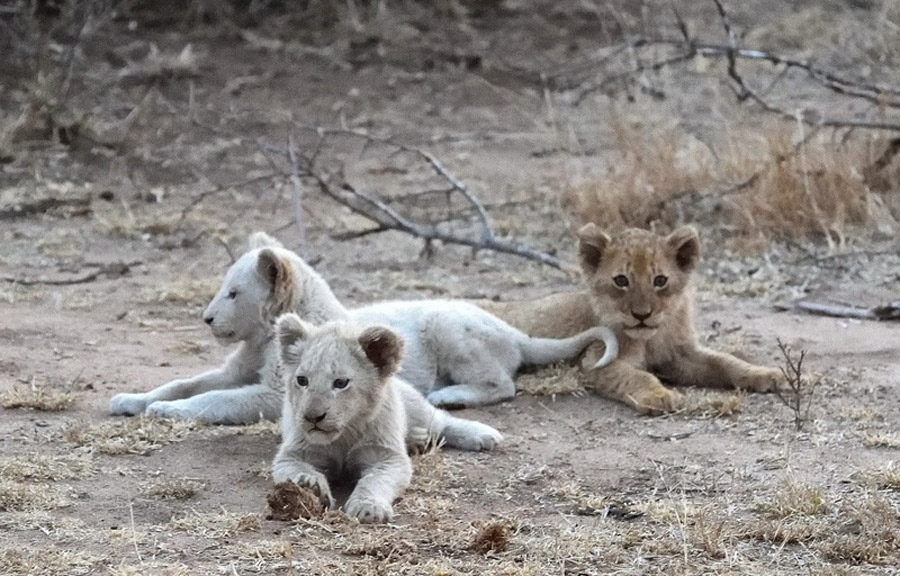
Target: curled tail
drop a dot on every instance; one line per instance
(548, 350)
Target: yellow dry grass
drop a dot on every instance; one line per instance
(46, 561)
(139, 435)
(792, 498)
(44, 466)
(36, 397)
(171, 489)
(20, 497)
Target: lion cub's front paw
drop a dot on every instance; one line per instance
(656, 400)
(318, 484)
(760, 380)
(368, 510)
(170, 409)
(127, 404)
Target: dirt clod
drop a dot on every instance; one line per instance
(287, 501)
(491, 537)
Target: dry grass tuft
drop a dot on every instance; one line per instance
(178, 489)
(584, 502)
(18, 497)
(216, 525)
(707, 403)
(36, 398)
(37, 466)
(869, 532)
(791, 530)
(885, 478)
(188, 291)
(138, 435)
(162, 66)
(46, 561)
(792, 498)
(288, 501)
(883, 440)
(549, 381)
(491, 537)
(151, 567)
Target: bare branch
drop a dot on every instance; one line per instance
(886, 311)
(113, 270)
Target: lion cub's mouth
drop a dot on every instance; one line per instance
(641, 331)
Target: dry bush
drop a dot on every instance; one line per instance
(799, 391)
(36, 398)
(137, 435)
(491, 537)
(177, 489)
(37, 466)
(768, 183)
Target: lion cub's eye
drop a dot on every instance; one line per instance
(302, 381)
(660, 281)
(341, 383)
(621, 281)
(232, 294)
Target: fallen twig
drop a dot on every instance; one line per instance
(42, 205)
(114, 270)
(887, 311)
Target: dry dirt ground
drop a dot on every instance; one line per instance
(123, 142)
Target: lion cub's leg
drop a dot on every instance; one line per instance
(481, 380)
(704, 367)
(622, 381)
(244, 405)
(384, 474)
(426, 423)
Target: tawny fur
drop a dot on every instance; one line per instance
(347, 417)
(653, 323)
(457, 354)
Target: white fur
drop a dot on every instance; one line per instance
(458, 354)
(362, 430)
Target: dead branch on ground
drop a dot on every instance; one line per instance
(113, 270)
(886, 311)
(42, 205)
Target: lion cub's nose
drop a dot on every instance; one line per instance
(313, 419)
(641, 316)
(209, 319)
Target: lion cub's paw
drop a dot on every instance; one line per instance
(127, 404)
(656, 400)
(418, 439)
(368, 510)
(170, 409)
(482, 437)
(760, 380)
(318, 484)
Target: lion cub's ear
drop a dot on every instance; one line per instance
(592, 242)
(279, 275)
(290, 329)
(262, 240)
(383, 348)
(684, 244)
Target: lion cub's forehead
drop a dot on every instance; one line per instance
(637, 251)
(334, 349)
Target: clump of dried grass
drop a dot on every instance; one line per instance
(46, 561)
(177, 489)
(41, 398)
(158, 65)
(187, 291)
(151, 567)
(793, 498)
(549, 381)
(19, 497)
(882, 440)
(866, 532)
(705, 403)
(215, 525)
(139, 435)
(884, 478)
(38, 466)
(584, 502)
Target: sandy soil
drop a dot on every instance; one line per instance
(582, 485)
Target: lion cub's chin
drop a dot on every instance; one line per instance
(640, 333)
(322, 437)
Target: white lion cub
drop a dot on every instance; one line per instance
(345, 413)
(457, 354)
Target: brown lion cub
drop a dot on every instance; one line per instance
(638, 285)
